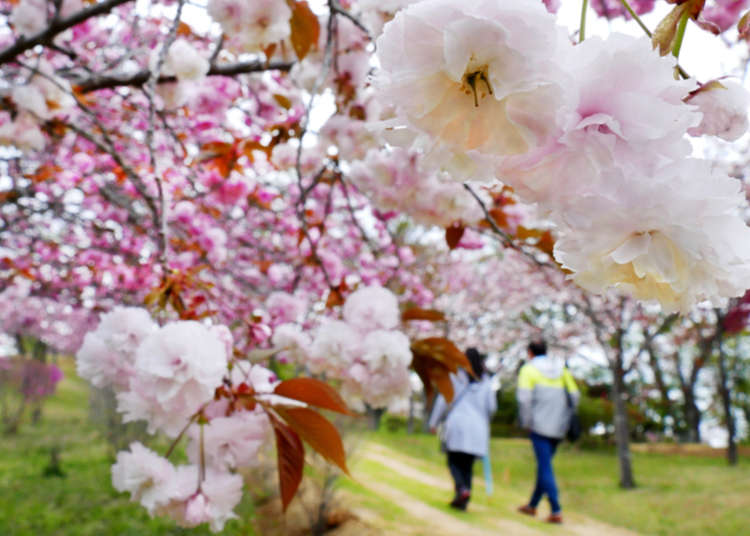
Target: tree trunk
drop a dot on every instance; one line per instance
(38, 352)
(410, 420)
(692, 415)
(375, 414)
(666, 405)
(726, 402)
(622, 431)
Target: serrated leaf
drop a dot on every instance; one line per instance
(318, 432)
(290, 459)
(313, 392)
(305, 28)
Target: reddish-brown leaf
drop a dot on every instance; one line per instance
(417, 313)
(283, 101)
(546, 243)
(453, 234)
(523, 233)
(441, 378)
(443, 350)
(305, 28)
(318, 432)
(434, 375)
(290, 456)
(184, 29)
(434, 359)
(421, 367)
(313, 392)
(334, 298)
(500, 217)
(269, 50)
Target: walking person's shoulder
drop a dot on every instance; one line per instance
(527, 375)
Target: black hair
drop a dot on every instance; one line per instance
(477, 363)
(538, 347)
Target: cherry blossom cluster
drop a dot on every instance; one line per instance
(252, 26)
(594, 133)
(177, 378)
(57, 324)
(400, 180)
(364, 350)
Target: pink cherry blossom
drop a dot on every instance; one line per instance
(252, 25)
(371, 308)
(146, 475)
(107, 356)
(614, 8)
(474, 71)
(723, 14)
(185, 62)
(177, 370)
(724, 105)
(688, 243)
(230, 442)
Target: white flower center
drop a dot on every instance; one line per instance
(476, 82)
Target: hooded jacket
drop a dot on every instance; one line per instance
(542, 404)
(467, 425)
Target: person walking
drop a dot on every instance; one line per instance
(466, 424)
(544, 410)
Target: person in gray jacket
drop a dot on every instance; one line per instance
(466, 421)
(543, 410)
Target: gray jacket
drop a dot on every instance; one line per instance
(467, 426)
(542, 404)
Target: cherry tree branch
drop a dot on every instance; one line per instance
(336, 9)
(57, 26)
(141, 77)
(150, 90)
(505, 238)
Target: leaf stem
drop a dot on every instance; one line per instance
(635, 16)
(582, 28)
(643, 26)
(680, 35)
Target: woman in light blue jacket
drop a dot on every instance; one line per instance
(467, 424)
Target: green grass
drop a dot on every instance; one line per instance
(83, 502)
(675, 495)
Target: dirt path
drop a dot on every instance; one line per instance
(488, 521)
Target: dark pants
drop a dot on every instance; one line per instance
(544, 450)
(460, 465)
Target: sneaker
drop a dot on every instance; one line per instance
(528, 510)
(555, 518)
(461, 500)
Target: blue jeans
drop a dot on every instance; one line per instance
(544, 450)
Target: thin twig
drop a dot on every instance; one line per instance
(57, 26)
